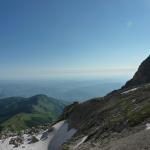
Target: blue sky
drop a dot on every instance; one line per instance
(73, 38)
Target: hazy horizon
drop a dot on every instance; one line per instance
(67, 90)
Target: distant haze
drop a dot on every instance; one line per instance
(69, 90)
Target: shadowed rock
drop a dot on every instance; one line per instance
(142, 76)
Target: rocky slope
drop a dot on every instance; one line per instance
(49, 138)
(118, 121)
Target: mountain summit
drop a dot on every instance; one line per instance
(142, 76)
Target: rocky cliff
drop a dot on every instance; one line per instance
(142, 76)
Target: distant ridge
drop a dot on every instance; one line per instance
(142, 76)
(19, 113)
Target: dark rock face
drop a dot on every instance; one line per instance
(142, 76)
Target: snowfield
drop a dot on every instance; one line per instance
(148, 126)
(47, 140)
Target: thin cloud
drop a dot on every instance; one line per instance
(130, 24)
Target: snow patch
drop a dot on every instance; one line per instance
(61, 136)
(148, 126)
(82, 141)
(131, 90)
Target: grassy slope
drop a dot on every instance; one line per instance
(22, 113)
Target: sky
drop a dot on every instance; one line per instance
(46, 39)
